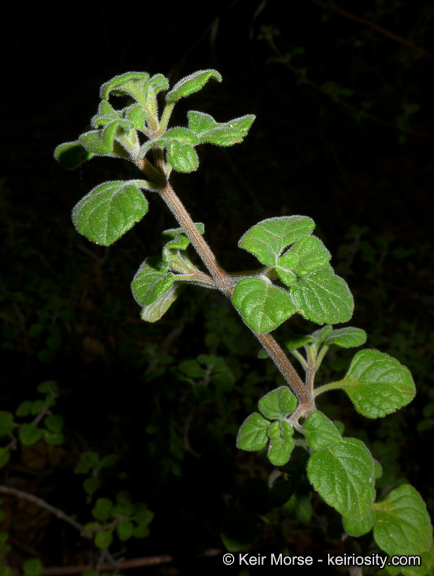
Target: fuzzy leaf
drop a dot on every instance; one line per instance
(130, 83)
(280, 448)
(323, 297)
(377, 384)
(346, 337)
(71, 155)
(294, 341)
(343, 475)
(155, 310)
(268, 239)
(182, 156)
(403, 525)
(191, 84)
(320, 432)
(312, 255)
(151, 271)
(110, 210)
(356, 529)
(262, 305)
(277, 404)
(253, 433)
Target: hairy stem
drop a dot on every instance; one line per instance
(225, 284)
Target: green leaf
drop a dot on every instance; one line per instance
(48, 387)
(253, 435)
(294, 341)
(53, 423)
(103, 539)
(346, 337)
(191, 368)
(311, 255)
(142, 515)
(53, 438)
(24, 409)
(268, 239)
(377, 384)
(32, 567)
(154, 311)
(343, 475)
(152, 271)
(320, 336)
(281, 442)
(71, 155)
(221, 134)
(356, 529)
(323, 297)
(320, 432)
(5, 456)
(91, 485)
(29, 434)
(278, 404)
(131, 83)
(37, 407)
(110, 210)
(124, 530)
(102, 509)
(7, 423)
(182, 156)
(262, 305)
(403, 525)
(182, 134)
(191, 84)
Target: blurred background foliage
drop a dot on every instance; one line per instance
(344, 134)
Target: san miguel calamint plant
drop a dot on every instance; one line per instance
(294, 275)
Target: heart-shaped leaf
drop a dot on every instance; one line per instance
(268, 239)
(110, 210)
(323, 297)
(252, 435)
(343, 475)
(377, 384)
(312, 255)
(262, 305)
(278, 404)
(403, 525)
(281, 443)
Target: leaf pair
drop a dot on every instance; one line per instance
(313, 288)
(157, 283)
(256, 431)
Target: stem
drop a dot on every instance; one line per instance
(225, 284)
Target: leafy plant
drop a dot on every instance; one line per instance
(294, 276)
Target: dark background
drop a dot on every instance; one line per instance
(66, 308)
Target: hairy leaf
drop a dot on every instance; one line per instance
(320, 432)
(71, 155)
(323, 297)
(343, 475)
(377, 384)
(262, 305)
(191, 84)
(253, 433)
(403, 525)
(110, 210)
(354, 528)
(277, 404)
(270, 237)
(346, 337)
(182, 156)
(311, 255)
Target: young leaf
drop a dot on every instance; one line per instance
(294, 341)
(320, 432)
(267, 239)
(377, 384)
(155, 310)
(71, 155)
(354, 528)
(280, 450)
(221, 134)
(152, 271)
(312, 255)
(323, 297)
(320, 336)
(191, 84)
(182, 156)
(403, 524)
(102, 509)
(252, 435)
(343, 475)
(110, 210)
(103, 539)
(277, 404)
(262, 305)
(131, 83)
(346, 337)
(124, 530)
(29, 434)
